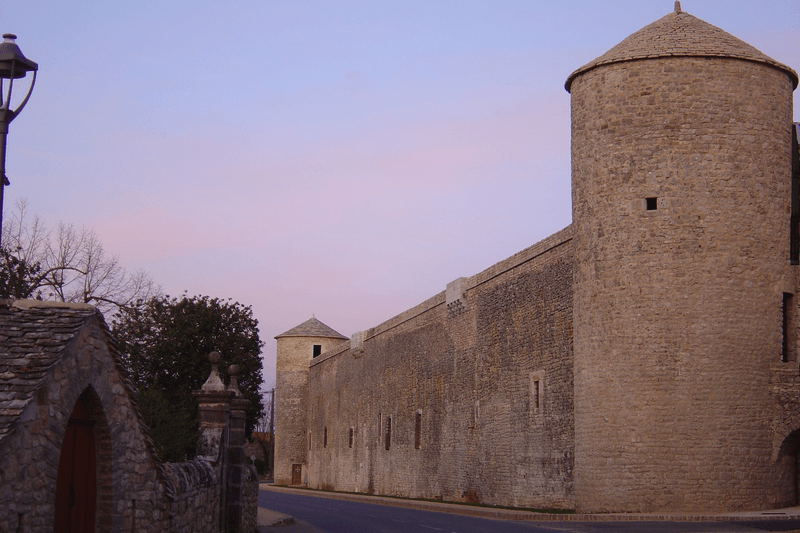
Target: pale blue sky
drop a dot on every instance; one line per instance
(346, 159)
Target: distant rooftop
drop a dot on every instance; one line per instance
(681, 34)
(312, 328)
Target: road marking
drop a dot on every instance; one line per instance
(429, 527)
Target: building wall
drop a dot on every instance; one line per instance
(682, 391)
(30, 454)
(135, 492)
(678, 310)
(291, 392)
(465, 362)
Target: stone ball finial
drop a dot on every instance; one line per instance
(214, 382)
(233, 371)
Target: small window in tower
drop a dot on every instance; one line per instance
(651, 204)
(388, 432)
(418, 431)
(325, 437)
(536, 398)
(350, 441)
(317, 350)
(788, 348)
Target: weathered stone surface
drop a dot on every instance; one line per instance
(296, 349)
(642, 359)
(680, 34)
(678, 309)
(470, 379)
(68, 354)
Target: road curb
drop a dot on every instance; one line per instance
(268, 518)
(792, 513)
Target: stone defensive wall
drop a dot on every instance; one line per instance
(466, 397)
(687, 296)
(678, 277)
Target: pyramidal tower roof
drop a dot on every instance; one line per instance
(680, 34)
(312, 328)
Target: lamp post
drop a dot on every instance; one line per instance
(13, 66)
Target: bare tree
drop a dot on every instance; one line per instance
(265, 424)
(264, 430)
(70, 265)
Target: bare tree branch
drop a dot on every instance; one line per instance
(71, 265)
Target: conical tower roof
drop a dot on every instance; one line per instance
(681, 34)
(312, 328)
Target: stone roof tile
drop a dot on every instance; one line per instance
(33, 337)
(681, 34)
(312, 328)
(29, 346)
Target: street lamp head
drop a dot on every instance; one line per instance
(13, 63)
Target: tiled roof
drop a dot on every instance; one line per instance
(32, 338)
(681, 34)
(312, 328)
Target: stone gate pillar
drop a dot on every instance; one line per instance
(221, 415)
(213, 416)
(236, 456)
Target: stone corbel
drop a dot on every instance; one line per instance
(456, 296)
(357, 343)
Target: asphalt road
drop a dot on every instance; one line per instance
(315, 514)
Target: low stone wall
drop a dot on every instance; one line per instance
(194, 497)
(249, 500)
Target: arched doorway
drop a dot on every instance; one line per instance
(787, 465)
(76, 487)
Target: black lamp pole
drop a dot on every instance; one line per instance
(13, 66)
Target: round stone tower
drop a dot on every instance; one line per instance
(296, 348)
(681, 182)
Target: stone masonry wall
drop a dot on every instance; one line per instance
(194, 505)
(291, 407)
(249, 500)
(135, 492)
(130, 483)
(466, 397)
(678, 320)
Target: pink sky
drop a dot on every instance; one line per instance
(342, 159)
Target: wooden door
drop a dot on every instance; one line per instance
(76, 487)
(297, 474)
